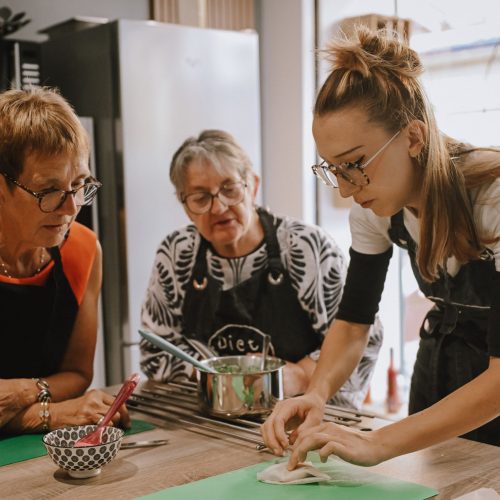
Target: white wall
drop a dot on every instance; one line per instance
(286, 29)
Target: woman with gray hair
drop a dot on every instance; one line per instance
(240, 273)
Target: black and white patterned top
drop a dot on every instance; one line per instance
(317, 271)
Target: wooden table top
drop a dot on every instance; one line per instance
(454, 468)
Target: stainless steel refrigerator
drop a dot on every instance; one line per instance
(148, 86)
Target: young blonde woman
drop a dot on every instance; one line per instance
(439, 199)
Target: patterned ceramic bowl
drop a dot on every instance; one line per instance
(85, 461)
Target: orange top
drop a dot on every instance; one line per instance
(77, 253)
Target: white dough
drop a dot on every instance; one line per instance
(304, 473)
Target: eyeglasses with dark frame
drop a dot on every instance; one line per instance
(230, 194)
(352, 172)
(49, 200)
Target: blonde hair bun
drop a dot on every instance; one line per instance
(370, 53)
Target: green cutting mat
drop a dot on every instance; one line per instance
(18, 448)
(353, 483)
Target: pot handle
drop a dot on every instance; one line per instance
(167, 346)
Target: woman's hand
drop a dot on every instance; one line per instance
(87, 409)
(306, 410)
(351, 445)
(15, 396)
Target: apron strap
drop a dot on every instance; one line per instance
(199, 274)
(63, 314)
(397, 231)
(276, 269)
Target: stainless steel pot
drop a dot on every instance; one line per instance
(251, 392)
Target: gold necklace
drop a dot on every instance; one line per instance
(5, 271)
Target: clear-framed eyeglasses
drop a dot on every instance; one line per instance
(352, 172)
(50, 200)
(230, 194)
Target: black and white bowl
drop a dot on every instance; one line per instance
(85, 461)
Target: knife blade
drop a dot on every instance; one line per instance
(143, 444)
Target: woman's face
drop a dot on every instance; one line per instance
(21, 216)
(230, 229)
(347, 136)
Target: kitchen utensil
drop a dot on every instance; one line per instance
(165, 345)
(143, 444)
(5, 13)
(194, 422)
(10, 24)
(250, 391)
(265, 348)
(17, 17)
(95, 437)
(82, 462)
(201, 348)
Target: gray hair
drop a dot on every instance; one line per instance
(216, 147)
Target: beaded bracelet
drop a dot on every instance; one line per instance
(45, 414)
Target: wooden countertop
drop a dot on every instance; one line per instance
(454, 468)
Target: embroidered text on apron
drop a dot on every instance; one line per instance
(453, 347)
(233, 321)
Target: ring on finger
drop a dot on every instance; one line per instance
(99, 422)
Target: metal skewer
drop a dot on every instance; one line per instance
(333, 410)
(152, 403)
(153, 410)
(185, 401)
(194, 406)
(142, 444)
(178, 402)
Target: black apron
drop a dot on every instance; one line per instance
(36, 324)
(234, 321)
(453, 345)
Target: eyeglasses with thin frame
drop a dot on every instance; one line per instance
(352, 172)
(49, 200)
(230, 194)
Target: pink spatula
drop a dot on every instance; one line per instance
(95, 437)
